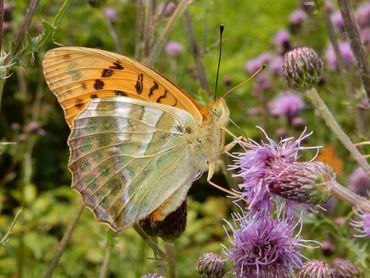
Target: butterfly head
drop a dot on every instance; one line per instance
(220, 111)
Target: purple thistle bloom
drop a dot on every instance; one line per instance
(111, 14)
(363, 15)
(345, 51)
(286, 104)
(32, 127)
(251, 66)
(362, 226)
(297, 17)
(359, 181)
(264, 247)
(262, 83)
(173, 48)
(275, 66)
(257, 169)
(337, 21)
(329, 6)
(282, 40)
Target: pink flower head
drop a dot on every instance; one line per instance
(263, 167)
(286, 104)
(111, 14)
(346, 52)
(297, 17)
(275, 66)
(282, 38)
(337, 20)
(264, 247)
(173, 48)
(363, 15)
(362, 225)
(32, 127)
(359, 182)
(251, 66)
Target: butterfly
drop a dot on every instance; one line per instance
(137, 141)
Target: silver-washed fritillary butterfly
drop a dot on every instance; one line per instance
(137, 141)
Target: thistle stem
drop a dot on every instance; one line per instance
(328, 117)
(196, 53)
(347, 195)
(150, 242)
(359, 120)
(356, 45)
(63, 244)
(171, 258)
(157, 47)
(108, 253)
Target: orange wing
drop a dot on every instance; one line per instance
(78, 74)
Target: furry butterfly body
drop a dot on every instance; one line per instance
(137, 141)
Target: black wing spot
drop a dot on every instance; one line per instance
(163, 96)
(94, 96)
(120, 93)
(139, 84)
(117, 65)
(107, 73)
(152, 89)
(179, 128)
(79, 103)
(188, 129)
(98, 85)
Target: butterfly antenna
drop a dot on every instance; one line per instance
(242, 83)
(219, 59)
(238, 127)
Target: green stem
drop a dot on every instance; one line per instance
(328, 117)
(359, 120)
(171, 258)
(108, 253)
(347, 195)
(63, 244)
(181, 7)
(150, 242)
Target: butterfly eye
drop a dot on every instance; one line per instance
(216, 111)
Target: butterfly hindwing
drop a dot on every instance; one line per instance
(77, 75)
(129, 156)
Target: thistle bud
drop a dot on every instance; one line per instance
(346, 269)
(302, 68)
(170, 228)
(152, 275)
(211, 265)
(303, 182)
(314, 269)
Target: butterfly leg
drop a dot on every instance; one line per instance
(231, 145)
(211, 170)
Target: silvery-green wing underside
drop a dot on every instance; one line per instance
(128, 156)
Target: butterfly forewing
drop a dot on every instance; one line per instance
(76, 75)
(128, 158)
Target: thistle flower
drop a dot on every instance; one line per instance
(282, 40)
(346, 269)
(269, 169)
(327, 248)
(316, 269)
(346, 52)
(296, 20)
(173, 48)
(302, 68)
(359, 181)
(286, 104)
(363, 15)
(111, 14)
(251, 66)
(337, 20)
(262, 83)
(210, 265)
(275, 66)
(264, 247)
(362, 225)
